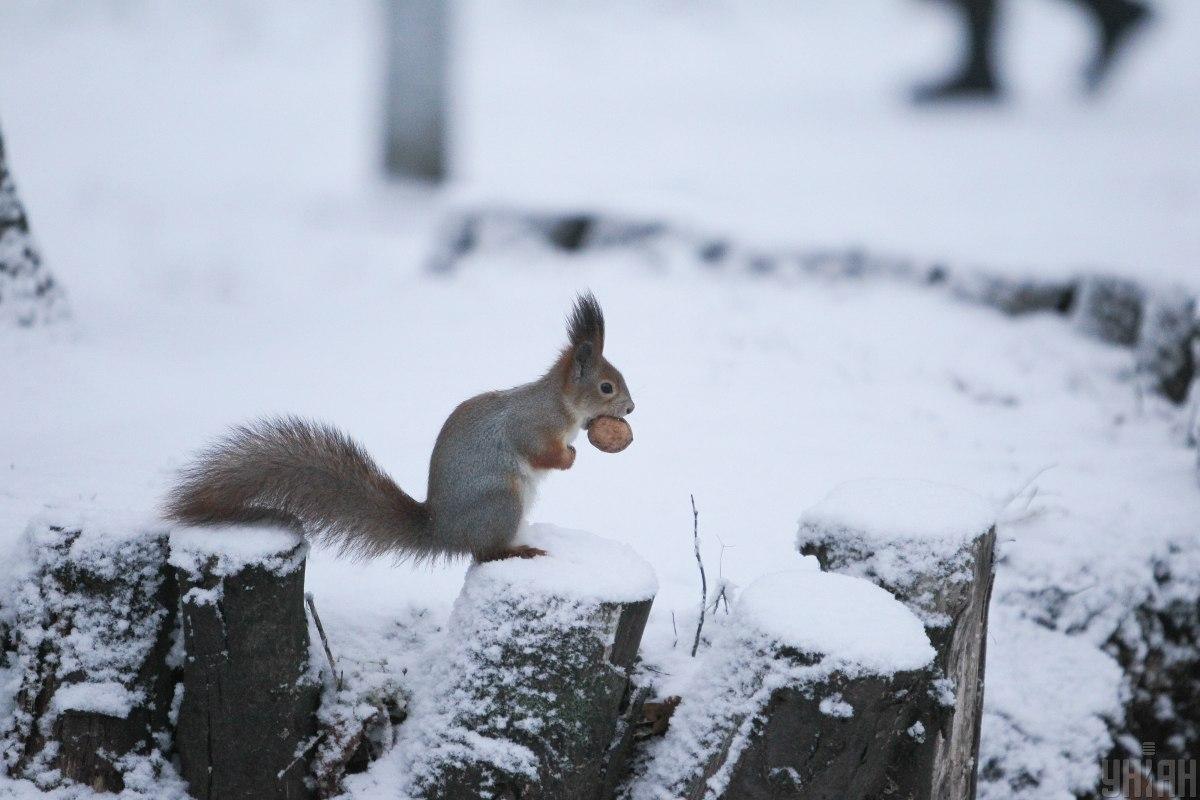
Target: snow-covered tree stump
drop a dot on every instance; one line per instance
(933, 548)
(1109, 308)
(1164, 347)
(246, 722)
(819, 686)
(537, 678)
(92, 621)
(28, 293)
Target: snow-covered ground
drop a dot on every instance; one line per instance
(203, 181)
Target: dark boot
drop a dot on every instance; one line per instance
(1116, 21)
(977, 77)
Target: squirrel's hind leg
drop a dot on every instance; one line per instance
(485, 524)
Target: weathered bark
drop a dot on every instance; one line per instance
(949, 590)
(246, 723)
(92, 633)
(1109, 309)
(802, 751)
(28, 293)
(544, 680)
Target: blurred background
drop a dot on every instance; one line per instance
(219, 191)
(788, 121)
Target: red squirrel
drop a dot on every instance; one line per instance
(488, 458)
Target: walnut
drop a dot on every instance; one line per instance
(610, 434)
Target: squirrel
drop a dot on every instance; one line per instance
(488, 458)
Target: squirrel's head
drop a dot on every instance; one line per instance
(593, 387)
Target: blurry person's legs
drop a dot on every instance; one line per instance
(976, 78)
(1115, 21)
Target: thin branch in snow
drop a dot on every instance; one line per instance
(703, 579)
(1029, 489)
(333, 670)
(674, 641)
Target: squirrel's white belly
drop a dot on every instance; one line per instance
(529, 478)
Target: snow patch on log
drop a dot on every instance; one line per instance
(220, 550)
(857, 627)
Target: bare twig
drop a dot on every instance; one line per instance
(333, 670)
(703, 579)
(721, 595)
(674, 641)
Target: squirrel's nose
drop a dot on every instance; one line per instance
(629, 408)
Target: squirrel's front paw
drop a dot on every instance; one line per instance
(569, 457)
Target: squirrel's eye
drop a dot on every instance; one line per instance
(606, 388)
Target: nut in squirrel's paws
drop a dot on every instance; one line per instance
(610, 434)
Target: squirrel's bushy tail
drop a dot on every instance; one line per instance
(292, 470)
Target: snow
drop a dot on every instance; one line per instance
(890, 512)
(227, 549)
(577, 565)
(107, 697)
(912, 537)
(1044, 741)
(228, 253)
(850, 622)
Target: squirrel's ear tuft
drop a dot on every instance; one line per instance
(586, 323)
(584, 356)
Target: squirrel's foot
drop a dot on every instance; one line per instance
(516, 551)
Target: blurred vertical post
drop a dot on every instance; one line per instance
(417, 86)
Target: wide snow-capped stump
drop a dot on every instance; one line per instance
(1108, 308)
(249, 696)
(817, 687)
(1164, 346)
(931, 546)
(536, 690)
(92, 615)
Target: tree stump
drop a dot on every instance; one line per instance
(1109, 309)
(93, 618)
(1164, 347)
(537, 680)
(247, 721)
(817, 687)
(933, 548)
(28, 292)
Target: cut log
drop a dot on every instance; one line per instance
(247, 723)
(818, 686)
(933, 548)
(93, 619)
(537, 701)
(1014, 295)
(1164, 348)
(1109, 308)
